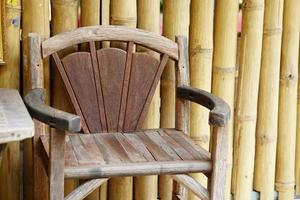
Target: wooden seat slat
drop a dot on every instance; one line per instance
(136, 141)
(131, 151)
(195, 150)
(157, 139)
(184, 154)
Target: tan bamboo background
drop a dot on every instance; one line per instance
(255, 71)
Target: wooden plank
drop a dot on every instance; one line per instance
(70, 157)
(91, 147)
(108, 155)
(114, 145)
(116, 33)
(71, 93)
(57, 165)
(131, 151)
(184, 154)
(84, 155)
(111, 68)
(155, 82)
(157, 152)
(15, 122)
(157, 139)
(137, 169)
(195, 150)
(142, 76)
(138, 144)
(79, 69)
(85, 189)
(125, 87)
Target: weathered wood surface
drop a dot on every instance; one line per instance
(220, 111)
(193, 185)
(85, 189)
(114, 33)
(53, 117)
(56, 165)
(15, 122)
(119, 84)
(134, 153)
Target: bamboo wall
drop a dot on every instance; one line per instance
(255, 72)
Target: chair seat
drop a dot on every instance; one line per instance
(147, 152)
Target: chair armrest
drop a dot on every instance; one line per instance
(219, 110)
(34, 102)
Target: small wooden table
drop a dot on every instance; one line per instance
(15, 121)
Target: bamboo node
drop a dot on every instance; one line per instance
(252, 6)
(68, 3)
(289, 79)
(123, 21)
(272, 31)
(284, 186)
(203, 139)
(245, 118)
(198, 49)
(265, 137)
(224, 69)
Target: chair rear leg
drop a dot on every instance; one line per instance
(219, 158)
(56, 165)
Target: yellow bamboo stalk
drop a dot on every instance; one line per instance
(175, 22)
(297, 166)
(35, 18)
(201, 52)
(148, 18)
(248, 83)
(122, 12)
(64, 17)
(266, 129)
(9, 78)
(285, 160)
(90, 15)
(224, 61)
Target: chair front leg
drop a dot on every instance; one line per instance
(219, 158)
(57, 164)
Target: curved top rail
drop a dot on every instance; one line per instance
(110, 33)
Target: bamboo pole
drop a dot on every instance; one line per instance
(9, 78)
(35, 18)
(90, 15)
(201, 52)
(64, 17)
(248, 83)
(266, 129)
(122, 12)
(297, 166)
(175, 22)
(224, 61)
(285, 161)
(148, 18)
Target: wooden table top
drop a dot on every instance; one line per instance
(15, 121)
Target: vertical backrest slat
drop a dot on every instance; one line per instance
(98, 87)
(158, 74)
(70, 90)
(130, 48)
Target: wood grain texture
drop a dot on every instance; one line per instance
(57, 165)
(15, 121)
(85, 189)
(114, 33)
(134, 153)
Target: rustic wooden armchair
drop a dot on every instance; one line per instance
(110, 90)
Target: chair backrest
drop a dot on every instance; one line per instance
(110, 88)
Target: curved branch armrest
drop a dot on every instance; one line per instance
(219, 110)
(34, 102)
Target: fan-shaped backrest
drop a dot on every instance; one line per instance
(110, 88)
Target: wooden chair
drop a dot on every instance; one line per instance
(110, 90)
